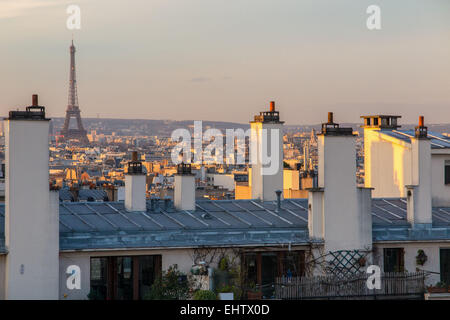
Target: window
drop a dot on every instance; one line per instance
(262, 268)
(99, 278)
(447, 172)
(124, 274)
(147, 274)
(445, 265)
(394, 260)
(123, 278)
(293, 264)
(251, 269)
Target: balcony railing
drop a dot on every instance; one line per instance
(400, 285)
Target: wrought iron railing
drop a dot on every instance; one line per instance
(406, 285)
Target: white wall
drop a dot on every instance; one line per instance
(181, 257)
(2, 276)
(291, 179)
(265, 185)
(120, 193)
(184, 192)
(431, 249)
(31, 222)
(420, 211)
(223, 180)
(341, 203)
(387, 164)
(135, 199)
(440, 191)
(388, 168)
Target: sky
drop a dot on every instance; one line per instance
(224, 60)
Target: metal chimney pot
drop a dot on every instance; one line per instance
(166, 204)
(421, 121)
(134, 156)
(278, 192)
(35, 100)
(330, 117)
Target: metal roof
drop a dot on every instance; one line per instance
(92, 194)
(107, 225)
(83, 195)
(438, 141)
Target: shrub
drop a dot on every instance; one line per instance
(237, 292)
(173, 285)
(204, 295)
(95, 295)
(223, 264)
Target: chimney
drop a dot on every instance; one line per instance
(421, 132)
(418, 194)
(337, 208)
(184, 193)
(31, 211)
(330, 117)
(315, 213)
(35, 100)
(135, 184)
(167, 203)
(272, 106)
(266, 149)
(278, 193)
(375, 146)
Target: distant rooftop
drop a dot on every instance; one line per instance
(438, 141)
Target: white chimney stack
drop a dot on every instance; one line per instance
(135, 186)
(184, 193)
(266, 154)
(419, 205)
(338, 211)
(31, 219)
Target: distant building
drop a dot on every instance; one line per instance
(390, 159)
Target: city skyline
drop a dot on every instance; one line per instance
(212, 60)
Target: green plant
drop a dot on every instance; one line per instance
(204, 295)
(421, 257)
(227, 276)
(441, 284)
(253, 287)
(95, 295)
(172, 285)
(223, 264)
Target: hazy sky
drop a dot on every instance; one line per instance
(226, 59)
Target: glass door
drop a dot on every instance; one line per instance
(124, 277)
(269, 271)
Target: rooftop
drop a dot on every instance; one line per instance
(107, 225)
(438, 141)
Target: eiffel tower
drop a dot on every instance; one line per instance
(73, 111)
